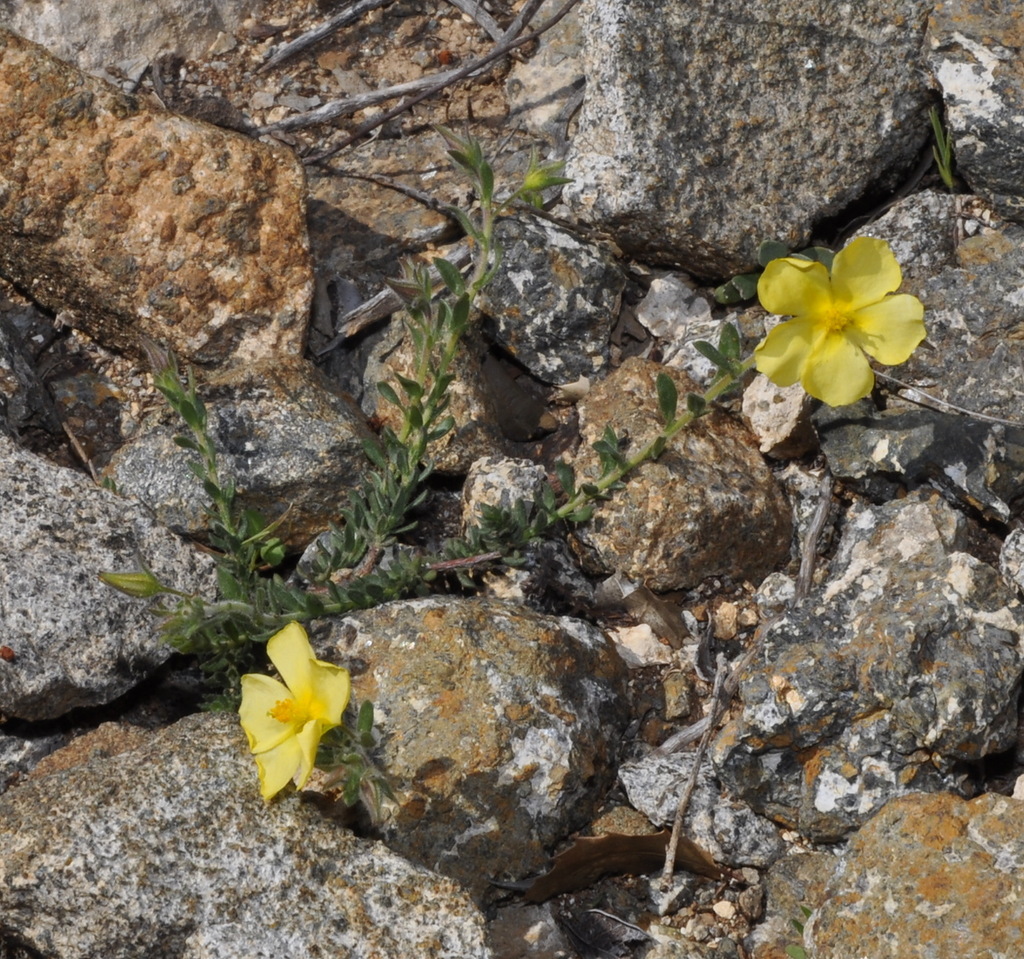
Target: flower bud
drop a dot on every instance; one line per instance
(140, 585)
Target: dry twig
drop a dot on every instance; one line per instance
(719, 700)
(385, 303)
(325, 29)
(475, 9)
(443, 80)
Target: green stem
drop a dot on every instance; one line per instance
(651, 449)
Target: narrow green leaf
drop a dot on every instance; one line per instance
(486, 183)
(451, 276)
(365, 721)
(375, 454)
(412, 389)
(566, 478)
(387, 391)
(668, 397)
(711, 352)
(696, 404)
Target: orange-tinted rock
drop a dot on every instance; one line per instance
(929, 877)
(708, 506)
(128, 220)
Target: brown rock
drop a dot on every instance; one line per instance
(128, 220)
(708, 506)
(500, 728)
(929, 876)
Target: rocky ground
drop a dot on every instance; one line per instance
(859, 569)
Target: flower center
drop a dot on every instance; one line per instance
(834, 320)
(284, 711)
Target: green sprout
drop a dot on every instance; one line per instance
(942, 150)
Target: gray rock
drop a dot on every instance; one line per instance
(500, 727)
(973, 309)
(879, 452)
(101, 33)
(167, 851)
(128, 220)
(793, 883)
(903, 665)
(19, 752)
(540, 86)
(472, 403)
(75, 641)
(929, 876)
(24, 401)
(974, 50)
(1011, 560)
(292, 444)
(499, 482)
(553, 302)
(730, 831)
(706, 128)
(707, 506)
(678, 315)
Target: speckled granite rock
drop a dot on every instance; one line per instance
(100, 33)
(152, 224)
(708, 127)
(76, 642)
(708, 506)
(974, 51)
(292, 443)
(728, 830)
(476, 432)
(500, 727)
(929, 877)
(976, 464)
(167, 851)
(904, 664)
(975, 308)
(553, 301)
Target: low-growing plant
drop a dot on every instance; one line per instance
(841, 310)
(798, 951)
(743, 286)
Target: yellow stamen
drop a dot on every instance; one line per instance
(835, 320)
(283, 711)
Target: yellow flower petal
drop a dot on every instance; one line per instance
(260, 694)
(794, 287)
(291, 654)
(837, 371)
(889, 330)
(284, 722)
(308, 740)
(783, 353)
(277, 767)
(863, 272)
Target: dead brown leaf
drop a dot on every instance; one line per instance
(590, 858)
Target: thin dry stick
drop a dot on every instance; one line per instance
(718, 704)
(385, 303)
(343, 108)
(497, 53)
(920, 398)
(475, 9)
(810, 544)
(325, 29)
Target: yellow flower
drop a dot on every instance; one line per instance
(285, 721)
(837, 318)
